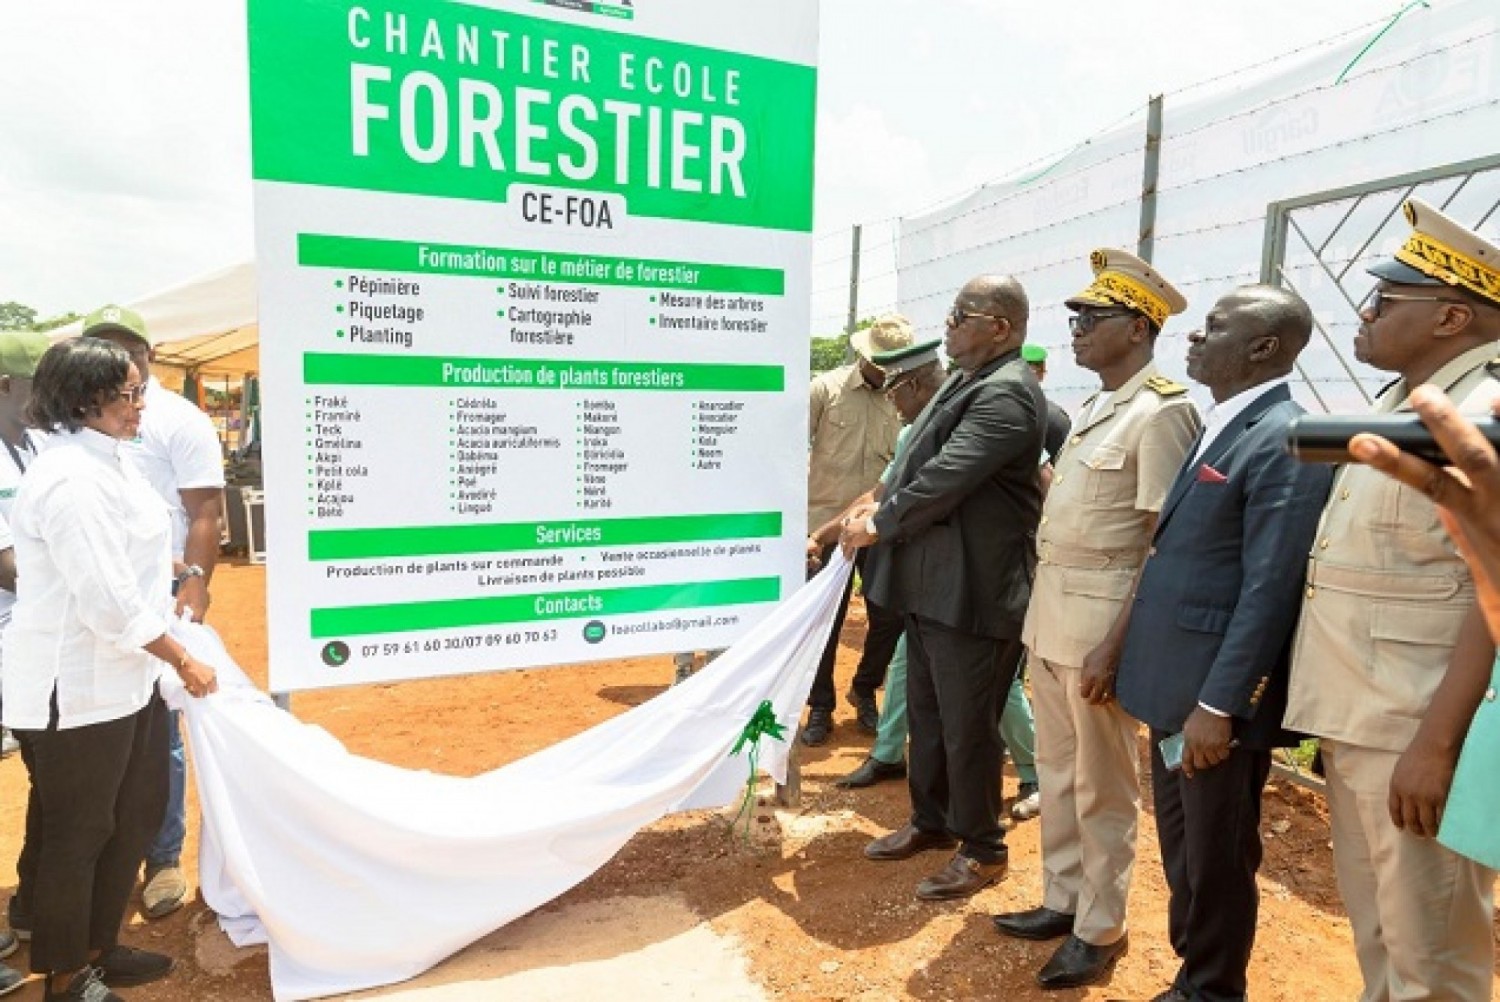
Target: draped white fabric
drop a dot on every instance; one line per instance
(358, 874)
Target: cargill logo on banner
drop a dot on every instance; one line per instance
(609, 8)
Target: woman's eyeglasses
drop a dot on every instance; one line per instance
(1082, 323)
(135, 393)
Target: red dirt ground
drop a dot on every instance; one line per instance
(815, 919)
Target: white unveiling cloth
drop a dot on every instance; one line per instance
(359, 874)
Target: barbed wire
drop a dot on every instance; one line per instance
(1136, 109)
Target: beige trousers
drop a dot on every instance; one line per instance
(1421, 913)
(1087, 767)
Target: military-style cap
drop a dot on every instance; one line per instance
(1034, 353)
(903, 360)
(891, 332)
(20, 351)
(1441, 252)
(1122, 279)
(109, 319)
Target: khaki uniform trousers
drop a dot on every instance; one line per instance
(1421, 913)
(1087, 766)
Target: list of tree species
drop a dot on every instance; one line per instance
(534, 305)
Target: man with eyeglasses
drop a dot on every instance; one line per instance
(1108, 485)
(954, 552)
(1389, 609)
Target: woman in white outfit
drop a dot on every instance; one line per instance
(86, 643)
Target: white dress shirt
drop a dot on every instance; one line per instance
(92, 542)
(177, 450)
(1220, 416)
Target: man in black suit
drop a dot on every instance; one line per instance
(1210, 631)
(956, 553)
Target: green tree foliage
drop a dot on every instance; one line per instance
(20, 317)
(832, 351)
(61, 320)
(16, 317)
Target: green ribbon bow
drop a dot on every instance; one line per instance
(762, 723)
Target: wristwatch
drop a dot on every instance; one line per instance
(190, 571)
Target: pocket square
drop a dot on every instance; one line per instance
(1208, 475)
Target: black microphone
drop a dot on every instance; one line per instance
(1323, 439)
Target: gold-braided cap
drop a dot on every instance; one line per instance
(1122, 279)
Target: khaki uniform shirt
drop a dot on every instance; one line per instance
(1386, 593)
(1109, 479)
(852, 432)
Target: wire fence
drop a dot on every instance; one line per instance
(1414, 114)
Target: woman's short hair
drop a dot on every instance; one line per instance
(75, 377)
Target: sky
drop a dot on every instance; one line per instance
(124, 147)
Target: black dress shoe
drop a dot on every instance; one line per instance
(1038, 923)
(866, 713)
(1076, 963)
(819, 725)
(870, 772)
(906, 841)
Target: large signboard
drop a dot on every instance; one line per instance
(533, 297)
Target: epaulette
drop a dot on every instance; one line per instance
(1165, 386)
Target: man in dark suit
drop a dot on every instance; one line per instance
(956, 553)
(1210, 631)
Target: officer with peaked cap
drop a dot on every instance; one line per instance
(1389, 607)
(1110, 480)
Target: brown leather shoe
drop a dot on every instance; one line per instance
(960, 878)
(906, 841)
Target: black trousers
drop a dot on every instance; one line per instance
(100, 794)
(1209, 830)
(956, 684)
(883, 632)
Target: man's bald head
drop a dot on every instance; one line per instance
(1003, 296)
(1282, 314)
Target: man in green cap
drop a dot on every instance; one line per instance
(178, 452)
(19, 353)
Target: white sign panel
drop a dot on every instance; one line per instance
(534, 312)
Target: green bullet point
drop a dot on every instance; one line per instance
(339, 308)
(653, 321)
(339, 333)
(338, 283)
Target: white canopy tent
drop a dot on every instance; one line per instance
(206, 327)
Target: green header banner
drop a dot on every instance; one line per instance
(502, 537)
(366, 254)
(406, 617)
(448, 99)
(322, 369)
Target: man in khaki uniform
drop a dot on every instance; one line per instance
(1389, 607)
(1108, 485)
(851, 432)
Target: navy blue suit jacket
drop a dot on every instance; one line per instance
(1218, 601)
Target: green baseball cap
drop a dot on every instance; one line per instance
(1033, 353)
(109, 319)
(20, 351)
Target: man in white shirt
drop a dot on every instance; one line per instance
(178, 452)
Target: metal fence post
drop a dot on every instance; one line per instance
(853, 284)
(1146, 244)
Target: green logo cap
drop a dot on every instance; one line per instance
(110, 319)
(20, 351)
